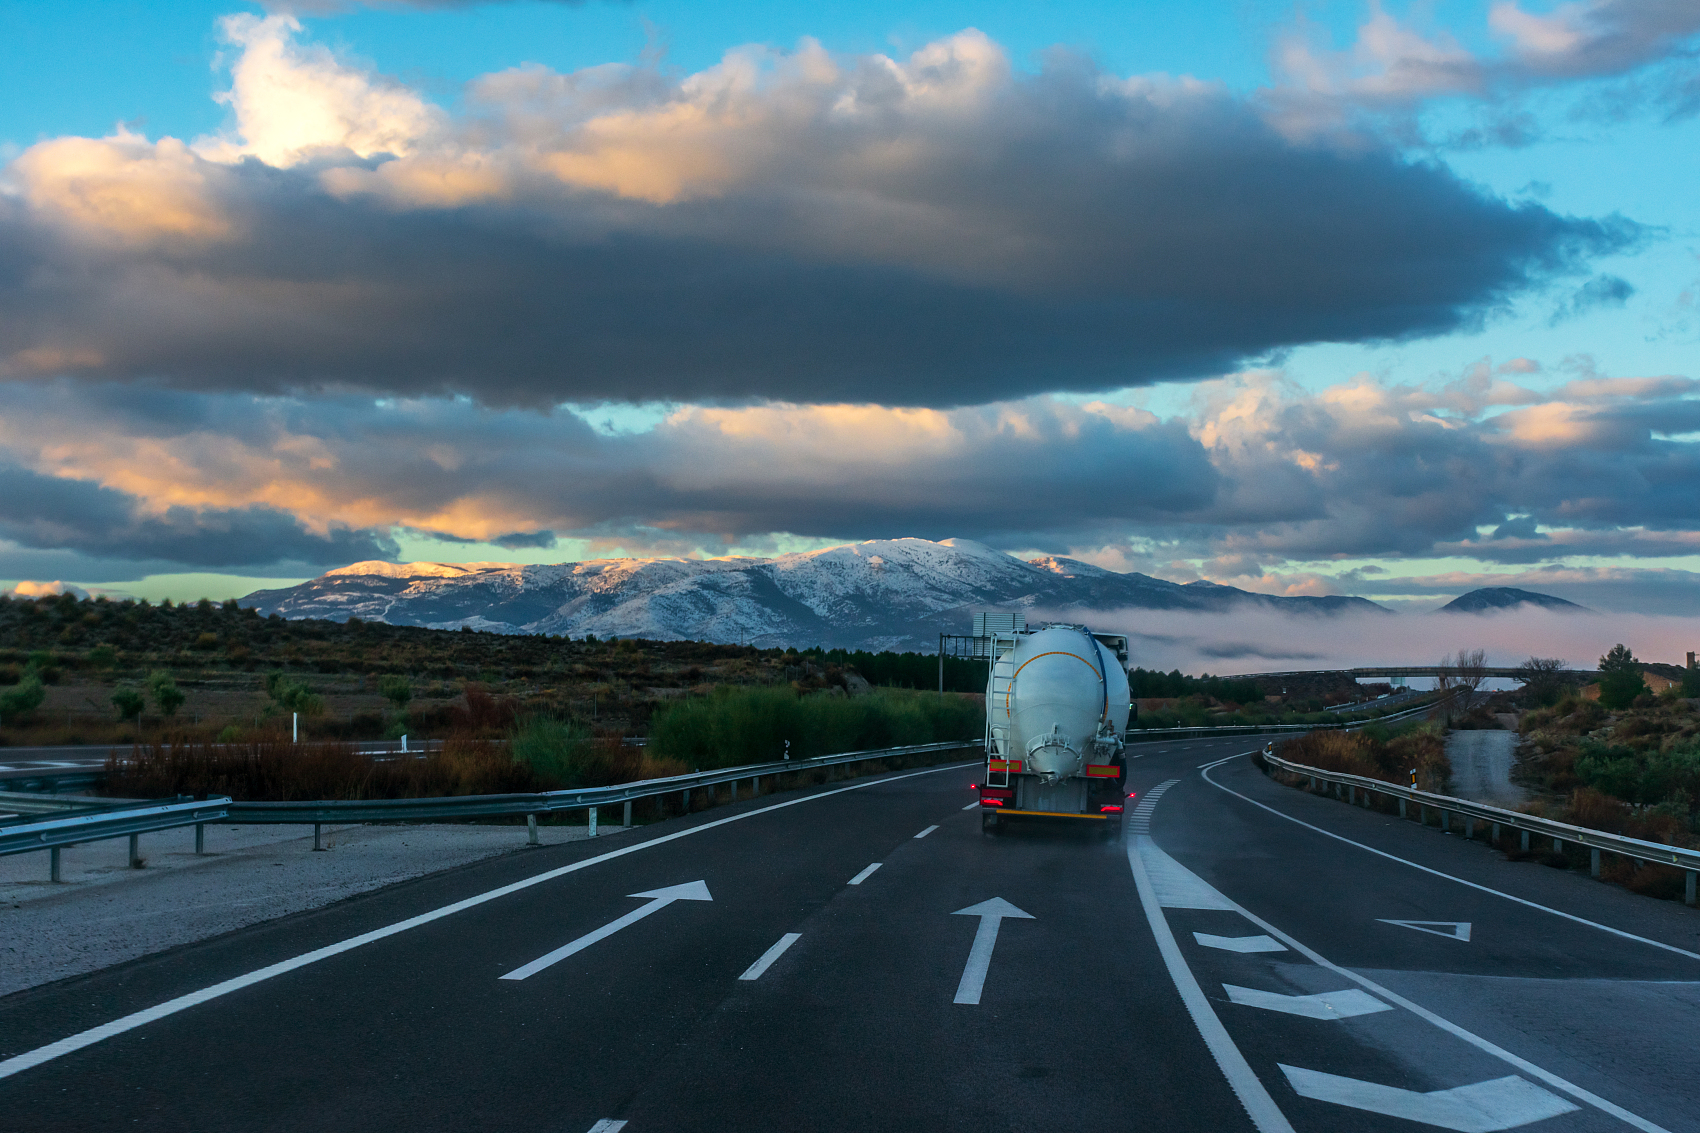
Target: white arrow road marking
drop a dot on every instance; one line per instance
(754, 971)
(1323, 1005)
(991, 914)
(1503, 1103)
(1455, 930)
(1258, 943)
(658, 899)
(1176, 886)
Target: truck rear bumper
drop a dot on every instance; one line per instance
(1049, 813)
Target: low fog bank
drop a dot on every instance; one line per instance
(1261, 641)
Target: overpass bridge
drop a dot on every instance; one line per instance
(1512, 672)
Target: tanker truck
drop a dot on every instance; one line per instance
(1056, 708)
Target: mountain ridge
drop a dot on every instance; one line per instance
(1488, 598)
(882, 594)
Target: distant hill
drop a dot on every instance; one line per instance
(1505, 598)
(896, 594)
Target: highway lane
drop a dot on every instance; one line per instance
(1081, 1021)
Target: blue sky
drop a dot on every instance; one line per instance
(700, 303)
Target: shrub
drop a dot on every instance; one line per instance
(22, 699)
(103, 657)
(397, 690)
(1377, 752)
(167, 697)
(129, 703)
(293, 695)
(562, 753)
(755, 725)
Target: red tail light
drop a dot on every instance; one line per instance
(1112, 809)
(985, 801)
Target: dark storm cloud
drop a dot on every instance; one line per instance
(50, 513)
(1016, 234)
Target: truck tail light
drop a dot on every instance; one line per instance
(1111, 809)
(986, 800)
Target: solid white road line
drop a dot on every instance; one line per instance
(1259, 1106)
(991, 914)
(1239, 943)
(926, 832)
(1450, 877)
(78, 1041)
(972, 805)
(1484, 1107)
(658, 899)
(864, 875)
(754, 971)
(1346, 1004)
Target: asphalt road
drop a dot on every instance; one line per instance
(1227, 964)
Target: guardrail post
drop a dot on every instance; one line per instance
(1496, 834)
(531, 830)
(627, 819)
(318, 839)
(53, 872)
(734, 790)
(1688, 887)
(1402, 808)
(1558, 845)
(1446, 822)
(1352, 794)
(1593, 861)
(592, 813)
(200, 837)
(685, 799)
(1525, 834)
(1470, 828)
(135, 851)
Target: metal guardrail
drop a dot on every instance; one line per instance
(1473, 812)
(1262, 729)
(135, 820)
(55, 833)
(544, 802)
(52, 780)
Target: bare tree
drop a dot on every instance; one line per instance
(1470, 672)
(1542, 684)
(1458, 682)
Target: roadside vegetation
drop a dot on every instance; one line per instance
(1615, 757)
(1628, 762)
(735, 726)
(1386, 752)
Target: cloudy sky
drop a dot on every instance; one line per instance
(1394, 300)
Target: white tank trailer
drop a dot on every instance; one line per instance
(1056, 709)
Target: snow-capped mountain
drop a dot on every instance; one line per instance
(1490, 598)
(883, 594)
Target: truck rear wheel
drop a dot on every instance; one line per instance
(989, 822)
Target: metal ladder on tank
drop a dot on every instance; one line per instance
(997, 725)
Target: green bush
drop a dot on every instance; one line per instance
(167, 697)
(397, 690)
(129, 703)
(294, 696)
(22, 698)
(735, 726)
(560, 752)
